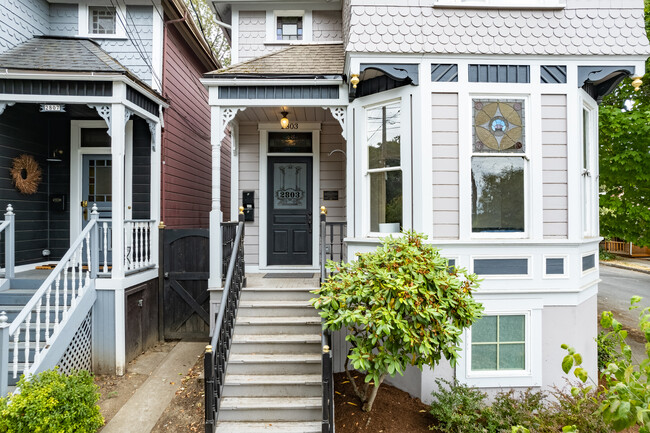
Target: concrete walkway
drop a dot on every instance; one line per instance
(142, 411)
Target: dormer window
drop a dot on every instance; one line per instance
(102, 20)
(289, 28)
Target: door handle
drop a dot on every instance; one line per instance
(84, 203)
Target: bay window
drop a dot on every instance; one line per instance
(498, 165)
(383, 141)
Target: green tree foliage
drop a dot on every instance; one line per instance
(625, 397)
(205, 18)
(52, 402)
(625, 160)
(401, 305)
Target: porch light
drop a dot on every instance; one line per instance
(637, 83)
(55, 156)
(284, 122)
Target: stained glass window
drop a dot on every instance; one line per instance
(498, 166)
(499, 126)
(289, 28)
(101, 20)
(498, 343)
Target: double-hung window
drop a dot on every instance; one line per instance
(383, 141)
(498, 165)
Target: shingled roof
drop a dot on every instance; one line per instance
(44, 53)
(316, 59)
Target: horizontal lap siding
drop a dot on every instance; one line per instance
(249, 180)
(187, 153)
(444, 128)
(554, 166)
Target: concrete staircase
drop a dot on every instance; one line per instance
(274, 380)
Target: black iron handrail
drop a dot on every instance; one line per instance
(228, 234)
(334, 240)
(326, 340)
(216, 354)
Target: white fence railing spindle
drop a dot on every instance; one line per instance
(137, 244)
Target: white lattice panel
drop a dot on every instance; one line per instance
(78, 355)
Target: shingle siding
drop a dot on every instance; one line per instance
(423, 29)
(252, 34)
(20, 20)
(327, 26)
(64, 19)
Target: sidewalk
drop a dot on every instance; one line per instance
(143, 409)
(630, 263)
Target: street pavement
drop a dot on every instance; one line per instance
(614, 292)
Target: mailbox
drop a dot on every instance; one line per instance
(248, 201)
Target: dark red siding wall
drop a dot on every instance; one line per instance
(187, 154)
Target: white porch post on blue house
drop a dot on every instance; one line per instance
(10, 243)
(216, 216)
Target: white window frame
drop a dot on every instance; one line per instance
(272, 25)
(531, 375)
(374, 101)
(528, 275)
(526, 156)
(589, 174)
(596, 263)
(120, 19)
(519, 4)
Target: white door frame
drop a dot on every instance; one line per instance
(76, 169)
(265, 128)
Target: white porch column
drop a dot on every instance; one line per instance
(118, 135)
(216, 215)
(154, 188)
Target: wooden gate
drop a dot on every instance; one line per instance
(185, 306)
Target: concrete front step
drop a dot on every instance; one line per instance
(265, 427)
(270, 409)
(278, 325)
(273, 385)
(276, 343)
(274, 363)
(276, 308)
(268, 294)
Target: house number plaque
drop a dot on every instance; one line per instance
(52, 108)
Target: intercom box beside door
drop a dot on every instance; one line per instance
(248, 201)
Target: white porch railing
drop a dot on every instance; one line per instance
(54, 304)
(8, 228)
(138, 253)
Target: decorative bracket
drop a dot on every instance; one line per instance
(339, 114)
(225, 116)
(4, 105)
(152, 132)
(127, 115)
(104, 112)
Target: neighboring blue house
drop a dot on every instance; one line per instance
(94, 99)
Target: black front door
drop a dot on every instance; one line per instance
(290, 214)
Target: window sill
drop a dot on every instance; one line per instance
(94, 36)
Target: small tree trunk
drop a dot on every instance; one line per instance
(352, 381)
(370, 399)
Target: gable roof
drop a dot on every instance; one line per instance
(296, 60)
(60, 54)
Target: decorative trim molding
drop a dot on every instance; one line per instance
(127, 115)
(104, 112)
(152, 132)
(226, 115)
(4, 105)
(339, 114)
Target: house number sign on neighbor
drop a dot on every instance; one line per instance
(52, 108)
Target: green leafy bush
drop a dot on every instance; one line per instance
(401, 305)
(605, 255)
(607, 344)
(52, 402)
(458, 408)
(522, 409)
(574, 409)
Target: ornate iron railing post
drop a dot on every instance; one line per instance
(4, 353)
(10, 242)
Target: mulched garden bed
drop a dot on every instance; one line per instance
(394, 411)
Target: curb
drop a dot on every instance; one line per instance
(629, 268)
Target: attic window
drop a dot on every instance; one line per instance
(102, 20)
(289, 29)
